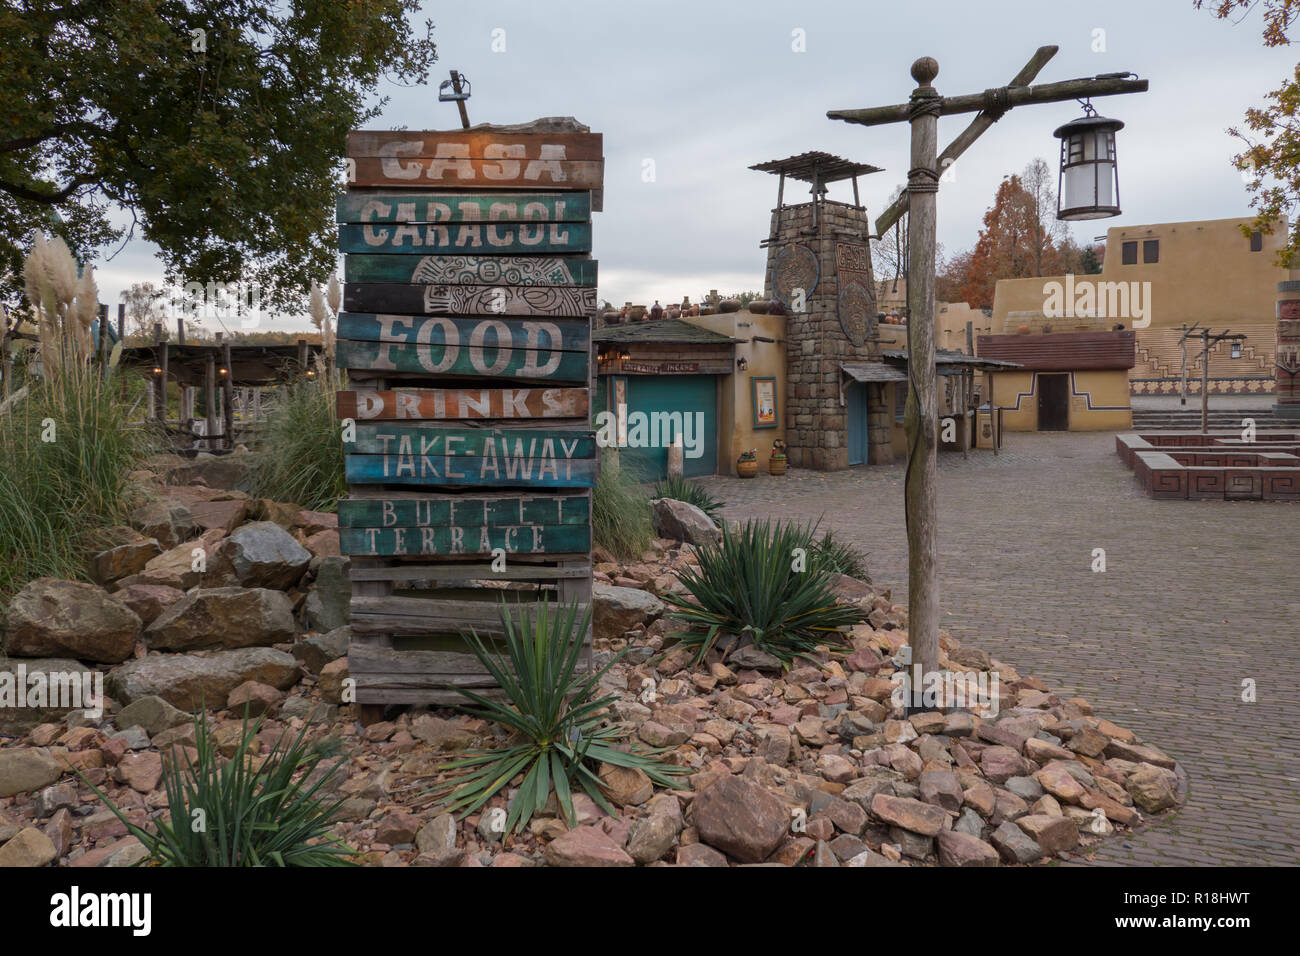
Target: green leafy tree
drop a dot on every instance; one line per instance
(1271, 161)
(217, 125)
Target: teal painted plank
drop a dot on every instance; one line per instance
(541, 334)
(430, 439)
(513, 539)
(464, 511)
(471, 270)
(539, 467)
(487, 359)
(463, 207)
(497, 239)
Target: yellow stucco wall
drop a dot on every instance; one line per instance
(1206, 274)
(1099, 400)
(736, 432)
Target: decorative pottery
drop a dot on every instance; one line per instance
(747, 466)
(1022, 330)
(729, 305)
(776, 464)
(760, 306)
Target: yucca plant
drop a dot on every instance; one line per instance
(762, 584)
(679, 489)
(839, 555)
(225, 813)
(560, 735)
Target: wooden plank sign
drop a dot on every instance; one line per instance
(513, 539)
(485, 359)
(463, 207)
(446, 299)
(523, 173)
(477, 144)
(464, 511)
(564, 335)
(469, 292)
(431, 439)
(471, 270)
(489, 239)
(442, 404)
(541, 467)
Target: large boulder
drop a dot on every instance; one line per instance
(616, 609)
(330, 597)
(319, 649)
(263, 555)
(54, 617)
(27, 769)
(184, 566)
(187, 681)
(153, 714)
(17, 716)
(164, 519)
(741, 819)
(681, 521)
(148, 600)
(130, 558)
(223, 617)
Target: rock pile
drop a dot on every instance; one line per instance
(811, 766)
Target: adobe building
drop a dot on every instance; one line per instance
(1174, 274)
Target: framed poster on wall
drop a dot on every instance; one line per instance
(762, 391)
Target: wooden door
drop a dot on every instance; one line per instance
(1054, 403)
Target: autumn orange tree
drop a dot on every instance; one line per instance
(1272, 133)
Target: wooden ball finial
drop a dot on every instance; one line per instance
(925, 70)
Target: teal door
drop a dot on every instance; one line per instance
(658, 407)
(855, 399)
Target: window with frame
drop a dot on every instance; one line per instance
(900, 400)
(1151, 250)
(1129, 254)
(1256, 241)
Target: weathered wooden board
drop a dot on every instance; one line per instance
(565, 335)
(444, 299)
(479, 144)
(538, 467)
(470, 270)
(463, 207)
(475, 173)
(429, 541)
(481, 238)
(411, 616)
(464, 571)
(464, 511)
(488, 360)
(432, 439)
(447, 404)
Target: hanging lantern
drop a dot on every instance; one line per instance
(1088, 187)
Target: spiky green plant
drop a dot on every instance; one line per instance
(839, 555)
(763, 584)
(300, 458)
(560, 735)
(620, 511)
(693, 493)
(225, 813)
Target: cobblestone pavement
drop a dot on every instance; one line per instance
(1196, 597)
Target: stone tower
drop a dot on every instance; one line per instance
(819, 269)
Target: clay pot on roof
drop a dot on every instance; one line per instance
(729, 305)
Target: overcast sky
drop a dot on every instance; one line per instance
(706, 88)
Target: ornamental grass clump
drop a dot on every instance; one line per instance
(242, 811)
(620, 510)
(560, 733)
(762, 584)
(679, 489)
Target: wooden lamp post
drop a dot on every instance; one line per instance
(922, 112)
